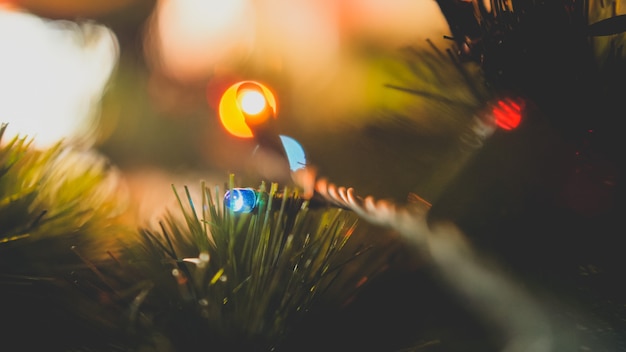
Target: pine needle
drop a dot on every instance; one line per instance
(263, 271)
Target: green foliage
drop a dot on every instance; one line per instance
(245, 280)
(58, 192)
(63, 216)
(433, 91)
(77, 272)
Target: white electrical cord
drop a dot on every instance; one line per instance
(498, 299)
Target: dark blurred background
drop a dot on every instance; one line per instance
(544, 199)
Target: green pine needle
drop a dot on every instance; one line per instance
(59, 192)
(62, 221)
(247, 279)
(76, 272)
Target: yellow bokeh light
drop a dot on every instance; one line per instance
(232, 102)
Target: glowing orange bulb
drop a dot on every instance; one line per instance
(237, 105)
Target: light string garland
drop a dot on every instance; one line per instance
(248, 109)
(240, 269)
(450, 253)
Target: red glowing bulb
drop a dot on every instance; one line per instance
(508, 113)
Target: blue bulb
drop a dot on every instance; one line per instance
(241, 200)
(295, 153)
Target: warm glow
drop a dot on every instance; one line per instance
(320, 49)
(52, 76)
(188, 37)
(508, 113)
(252, 102)
(233, 101)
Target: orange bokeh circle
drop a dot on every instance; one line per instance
(232, 117)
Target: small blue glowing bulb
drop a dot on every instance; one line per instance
(241, 200)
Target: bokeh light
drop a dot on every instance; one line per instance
(186, 38)
(53, 75)
(322, 50)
